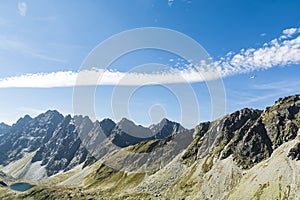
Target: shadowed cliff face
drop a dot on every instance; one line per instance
(282, 120)
(240, 134)
(250, 136)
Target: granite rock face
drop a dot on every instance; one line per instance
(27, 135)
(63, 151)
(250, 136)
(282, 120)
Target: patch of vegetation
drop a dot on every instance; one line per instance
(104, 176)
(260, 190)
(297, 119)
(208, 163)
(210, 176)
(186, 182)
(54, 192)
(146, 147)
(253, 178)
(62, 177)
(128, 181)
(190, 155)
(286, 193)
(134, 196)
(220, 147)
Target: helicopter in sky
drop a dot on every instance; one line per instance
(253, 77)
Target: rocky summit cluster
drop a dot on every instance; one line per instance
(249, 154)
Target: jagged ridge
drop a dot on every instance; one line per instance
(213, 160)
(61, 143)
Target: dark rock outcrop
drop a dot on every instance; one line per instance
(3, 184)
(294, 152)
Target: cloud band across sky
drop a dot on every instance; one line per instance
(282, 51)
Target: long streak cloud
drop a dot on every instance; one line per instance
(281, 51)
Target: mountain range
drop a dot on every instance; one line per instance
(57, 143)
(248, 154)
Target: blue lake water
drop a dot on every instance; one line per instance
(21, 187)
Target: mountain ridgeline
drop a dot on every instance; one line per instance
(60, 143)
(248, 154)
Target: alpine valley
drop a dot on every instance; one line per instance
(248, 154)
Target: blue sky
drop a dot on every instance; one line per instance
(42, 42)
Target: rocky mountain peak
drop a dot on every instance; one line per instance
(129, 127)
(2, 124)
(107, 125)
(52, 112)
(22, 121)
(107, 121)
(289, 99)
(128, 133)
(49, 116)
(164, 120)
(26, 117)
(126, 122)
(282, 120)
(4, 127)
(165, 128)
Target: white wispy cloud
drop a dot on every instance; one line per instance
(259, 98)
(263, 34)
(281, 51)
(285, 86)
(22, 8)
(265, 92)
(23, 48)
(46, 18)
(278, 52)
(70, 79)
(291, 31)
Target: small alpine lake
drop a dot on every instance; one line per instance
(21, 187)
